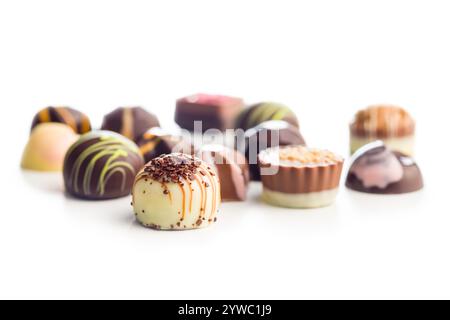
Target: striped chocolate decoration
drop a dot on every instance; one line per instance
(261, 112)
(78, 121)
(131, 122)
(101, 165)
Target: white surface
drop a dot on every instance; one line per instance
(324, 58)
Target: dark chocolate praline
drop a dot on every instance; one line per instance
(265, 111)
(75, 119)
(131, 122)
(101, 165)
(156, 142)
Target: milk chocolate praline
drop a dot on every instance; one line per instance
(266, 135)
(131, 122)
(299, 177)
(377, 169)
(391, 124)
(232, 169)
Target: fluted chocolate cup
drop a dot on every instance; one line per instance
(300, 177)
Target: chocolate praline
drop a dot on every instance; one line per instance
(377, 169)
(176, 192)
(391, 124)
(156, 142)
(232, 168)
(267, 135)
(101, 165)
(265, 111)
(213, 111)
(75, 119)
(131, 122)
(47, 147)
(300, 177)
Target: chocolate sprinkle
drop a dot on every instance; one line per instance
(173, 168)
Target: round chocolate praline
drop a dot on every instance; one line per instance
(176, 192)
(265, 111)
(75, 119)
(131, 122)
(377, 169)
(47, 147)
(156, 142)
(232, 169)
(267, 135)
(101, 165)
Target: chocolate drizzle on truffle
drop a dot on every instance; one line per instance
(193, 191)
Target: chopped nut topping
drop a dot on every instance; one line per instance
(306, 155)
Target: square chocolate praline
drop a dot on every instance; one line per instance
(214, 111)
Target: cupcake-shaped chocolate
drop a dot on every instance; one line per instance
(267, 135)
(101, 165)
(131, 122)
(393, 125)
(156, 142)
(232, 169)
(176, 192)
(47, 147)
(78, 121)
(265, 111)
(377, 169)
(213, 111)
(300, 177)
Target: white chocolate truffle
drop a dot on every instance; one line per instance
(176, 192)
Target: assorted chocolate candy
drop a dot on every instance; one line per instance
(375, 168)
(265, 111)
(176, 192)
(131, 122)
(101, 165)
(211, 111)
(391, 124)
(231, 167)
(75, 119)
(156, 142)
(47, 146)
(300, 177)
(182, 185)
(268, 134)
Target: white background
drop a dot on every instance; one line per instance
(325, 59)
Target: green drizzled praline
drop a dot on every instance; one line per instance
(265, 111)
(101, 165)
